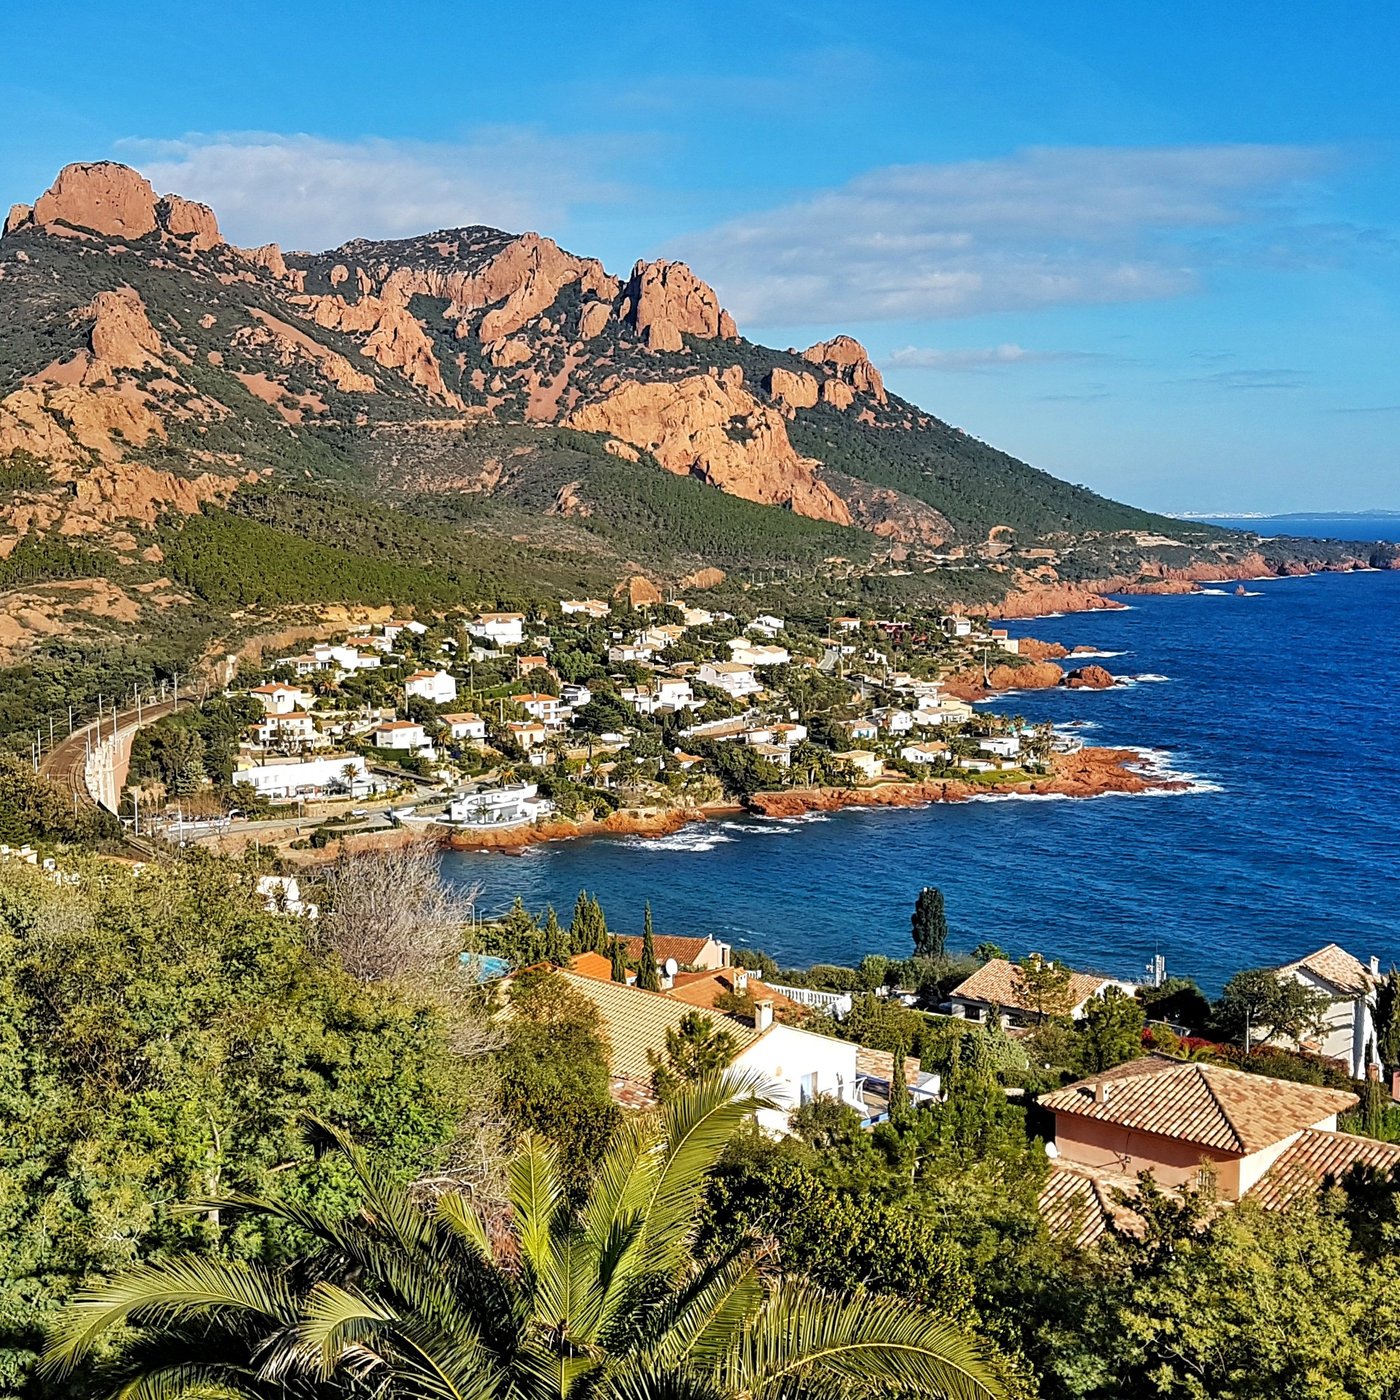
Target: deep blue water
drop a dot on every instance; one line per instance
(1325, 527)
(1282, 704)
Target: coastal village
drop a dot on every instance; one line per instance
(500, 727)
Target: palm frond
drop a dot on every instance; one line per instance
(537, 1197)
(170, 1293)
(456, 1214)
(805, 1341)
(332, 1321)
(185, 1381)
(701, 1326)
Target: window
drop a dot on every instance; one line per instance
(808, 1087)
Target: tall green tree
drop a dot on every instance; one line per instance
(588, 929)
(1260, 1005)
(929, 924)
(604, 1301)
(1044, 984)
(696, 1049)
(648, 973)
(1110, 1031)
(617, 952)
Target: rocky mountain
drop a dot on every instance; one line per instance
(499, 385)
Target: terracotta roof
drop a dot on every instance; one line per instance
(637, 1021)
(1319, 1158)
(1204, 1104)
(1079, 1203)
(1335, 966)
(999, 983)
(704, 988)
(684, 950)
(593, 965)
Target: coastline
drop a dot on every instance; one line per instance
(1089, 772)
(1046, 599)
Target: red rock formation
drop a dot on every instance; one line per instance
(666, 300)
(849, 363)
(1089, 678)
(394, 338)
(122, 336)
(18, 217)
(1034, 650)
(689, 426)
(791, 390)
(105, 197)
(185, 218)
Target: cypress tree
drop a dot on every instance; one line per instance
(929, 924)
(648, 974)
(599, 924)
(555, 945)
(580, 930)
(619, 961)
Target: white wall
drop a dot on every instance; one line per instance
(784, 1054)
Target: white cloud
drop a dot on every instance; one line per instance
(1039, 228)
(308, 192)
(972, 360)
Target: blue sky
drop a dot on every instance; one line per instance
(1152, 248)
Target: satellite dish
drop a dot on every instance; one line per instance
(671, 967)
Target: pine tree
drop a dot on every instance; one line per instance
(619, 961)
(648, 974)
(929, 924)
(555, 947)
(580, 929)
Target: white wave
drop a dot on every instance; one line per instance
(757, 828)
(1151, 676)
(802, 819)
(1086, 655)
(691, 838)
(1250, 593)
(1213, 592)
(1021, 797)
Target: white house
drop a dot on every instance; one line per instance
(894, 721)
(1006, 642)
(295, 727)
(955, 625)
(766, 625)
(1002, 745)
(622, 652)
(279, 699)
(575, 696)
(947, 711)
(789, 734)
(593, 608)
(855, 729)
(539, 705)
(931, 751)
(778, 754)
(845, 624)
(999, 985)
(343, 773)
(529, 734)
(868, 765)
(695, 617)
(514, 805)
(401, 734)
(757, 653)
(465, 725)
(505, 629)
(1348, 1032)
(436, 687)
(733, 677)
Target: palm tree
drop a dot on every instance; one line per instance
(605, 1300)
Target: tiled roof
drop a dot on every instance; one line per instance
(1078, 1203)
(879, 1064)
(1204, 1104)
(1319, 1157)
(999, 983)
(704, 988)
(684, 950)
(1335, 966)
(637, 1021)
(593, 965)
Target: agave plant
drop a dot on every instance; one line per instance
(605, 1300)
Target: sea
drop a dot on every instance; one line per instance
(1277, 710)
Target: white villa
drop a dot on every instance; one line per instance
(279, 699)
(1348, 1033)
(735, 678)
(402, 734)
(505, 629)
(465, 725)
(437, 687)
(343, 773)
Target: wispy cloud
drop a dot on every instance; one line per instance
(1042, 227)
(1251, 379)
(308, 192)
(974, 361)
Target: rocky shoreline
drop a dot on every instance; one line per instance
(1042, 599)
(1090, 772)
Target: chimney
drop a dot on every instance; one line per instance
(763, 1014)
(1100, 1092)
(741, 980)
(1375, 966)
